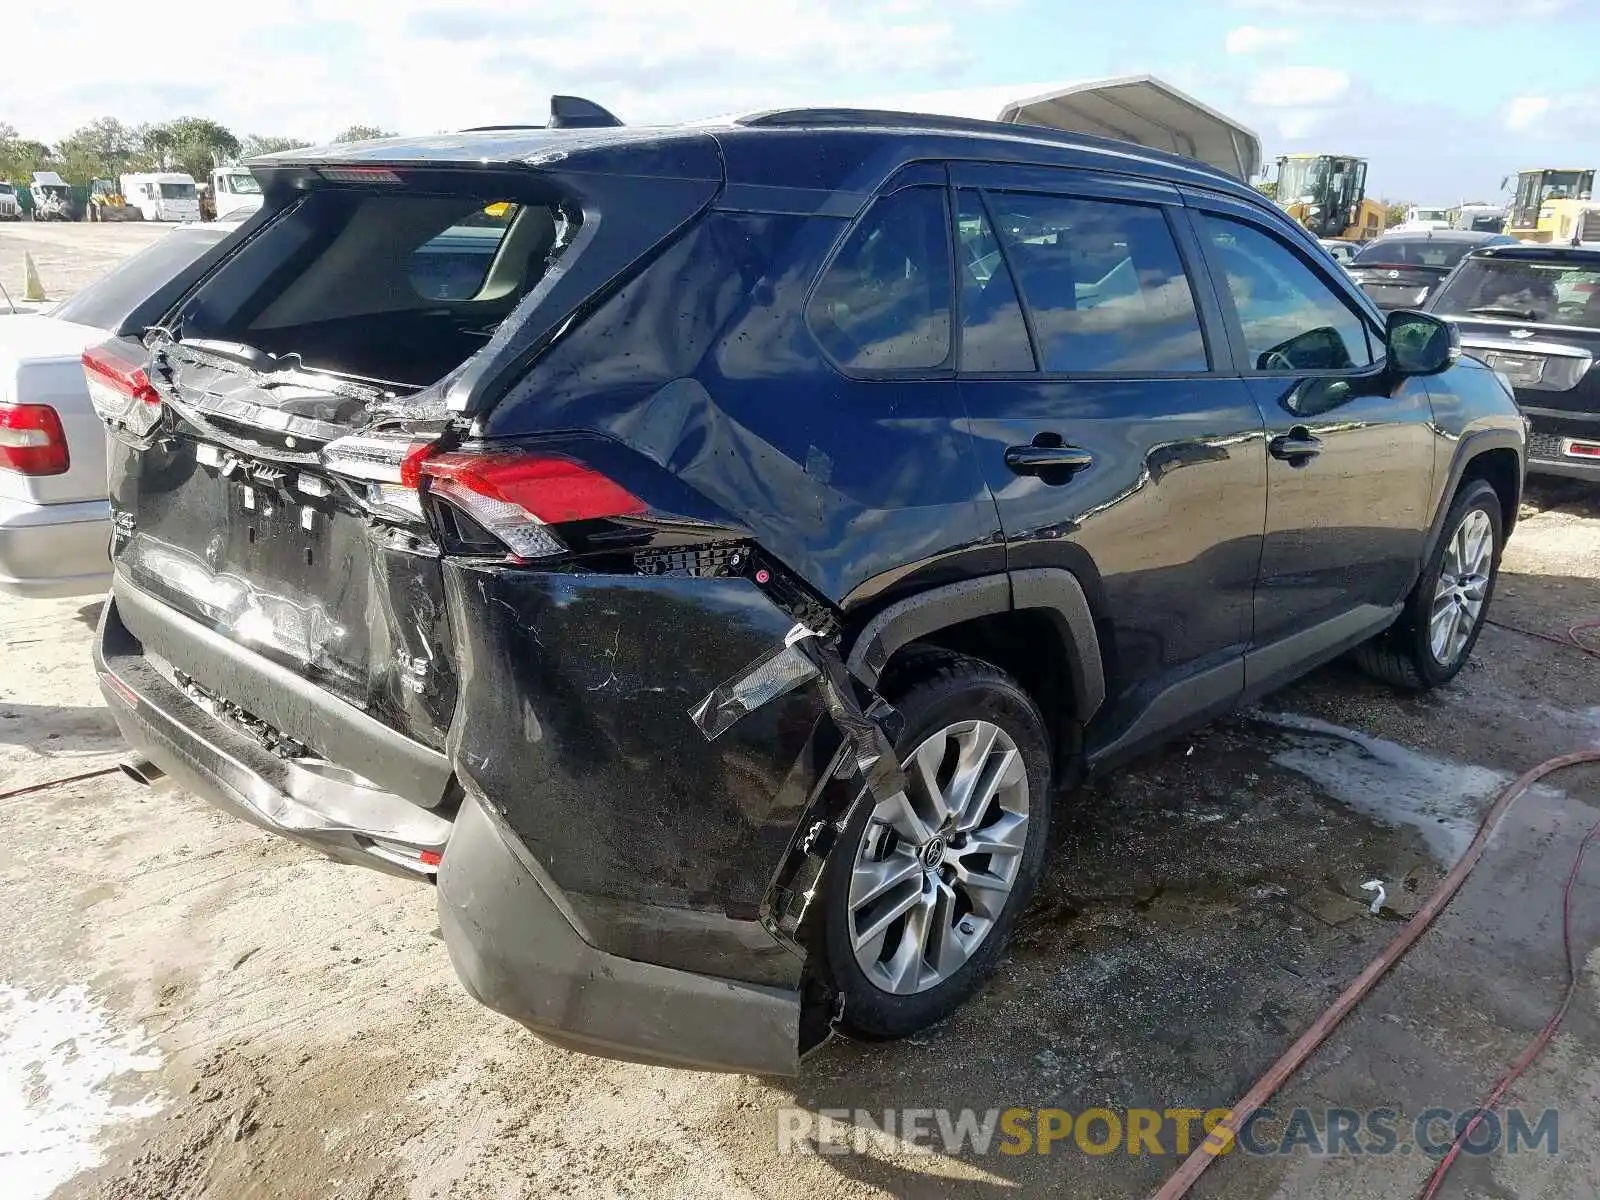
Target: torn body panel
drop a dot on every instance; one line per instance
(301, 575)
(663, 761)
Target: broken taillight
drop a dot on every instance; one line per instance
(119, 389)
(517, 496)
(32, 441)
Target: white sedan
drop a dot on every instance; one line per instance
(55, 520)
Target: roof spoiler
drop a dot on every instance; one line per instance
(566, 112)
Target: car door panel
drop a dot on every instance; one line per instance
(1350, 448)
(1149, 485)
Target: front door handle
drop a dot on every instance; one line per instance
(1039, 459)
(1297, 447)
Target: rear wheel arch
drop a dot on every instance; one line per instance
(1027, 623)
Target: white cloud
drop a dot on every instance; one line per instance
(1452, 11)
(311, 67)
(1572, 118)
(1525, 112)
(1298, 87)
(1252, 39)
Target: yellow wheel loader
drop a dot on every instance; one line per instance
(1550, 204)
(1327, 193)
(107, 204)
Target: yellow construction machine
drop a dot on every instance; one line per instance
(106, 203)
(1550, 204)
(1327, 193)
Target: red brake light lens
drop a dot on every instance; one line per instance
(515, 496)
(119, 389)
(32, 441)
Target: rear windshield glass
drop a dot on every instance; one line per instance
(1413, 254)
(106, 302)
(399, 287)
(177, 191)
(1519, 290)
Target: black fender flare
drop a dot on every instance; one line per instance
(1467, 449)
(1054, 591)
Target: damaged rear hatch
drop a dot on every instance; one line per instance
(267, 435)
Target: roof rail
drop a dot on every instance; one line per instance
(1013, 128)
(778, 118)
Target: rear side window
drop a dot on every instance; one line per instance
(1103, 283)
(994, 336)
(883, 304)
(1292, 320)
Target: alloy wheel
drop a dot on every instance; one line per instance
(1463, 587)
(938, 862)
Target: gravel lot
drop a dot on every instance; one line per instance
(189, 1007)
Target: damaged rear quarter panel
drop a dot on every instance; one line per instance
(575, 730)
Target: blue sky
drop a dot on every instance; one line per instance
(1444, 100)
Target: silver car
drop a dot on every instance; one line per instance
(55, 520)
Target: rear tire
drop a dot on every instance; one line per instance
(1426, 646)
(954, 872)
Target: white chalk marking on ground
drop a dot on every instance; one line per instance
(61, 1064)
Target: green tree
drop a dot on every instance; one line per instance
(1394, 212)
(190, 144)
(257, 144)
(20, 157)
(362, 133)
(102, 149)
(1268, 188)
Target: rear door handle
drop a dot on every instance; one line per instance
(1297, 447)
(1037, 459)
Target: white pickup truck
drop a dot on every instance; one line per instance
(55, 520)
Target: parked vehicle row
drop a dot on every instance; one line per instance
(1533, 314)
(55, 520)
(713, 597)
(1401, 269)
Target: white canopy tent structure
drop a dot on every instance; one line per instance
(1144, 110)
(1135, 108)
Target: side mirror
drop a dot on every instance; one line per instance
(1420, 344)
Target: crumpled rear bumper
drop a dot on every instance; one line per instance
(517, 952)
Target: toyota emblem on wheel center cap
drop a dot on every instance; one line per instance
(933, 853)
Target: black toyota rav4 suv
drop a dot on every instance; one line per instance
(709, 550)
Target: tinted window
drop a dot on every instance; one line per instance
(884, 302)
(107, 301)
(1419, 253)
(1292, 319)
(994, 337)
(1524, 290)
(177, 191)
(1103, 283)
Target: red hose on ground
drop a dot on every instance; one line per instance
(1278, 1074)
(1525, 1059)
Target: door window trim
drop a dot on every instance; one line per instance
(1203, 204)
(1065, 183)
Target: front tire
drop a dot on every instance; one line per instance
(923, 890)
(1436, 631)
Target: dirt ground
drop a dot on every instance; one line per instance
(190, 1007)
(68, 255)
